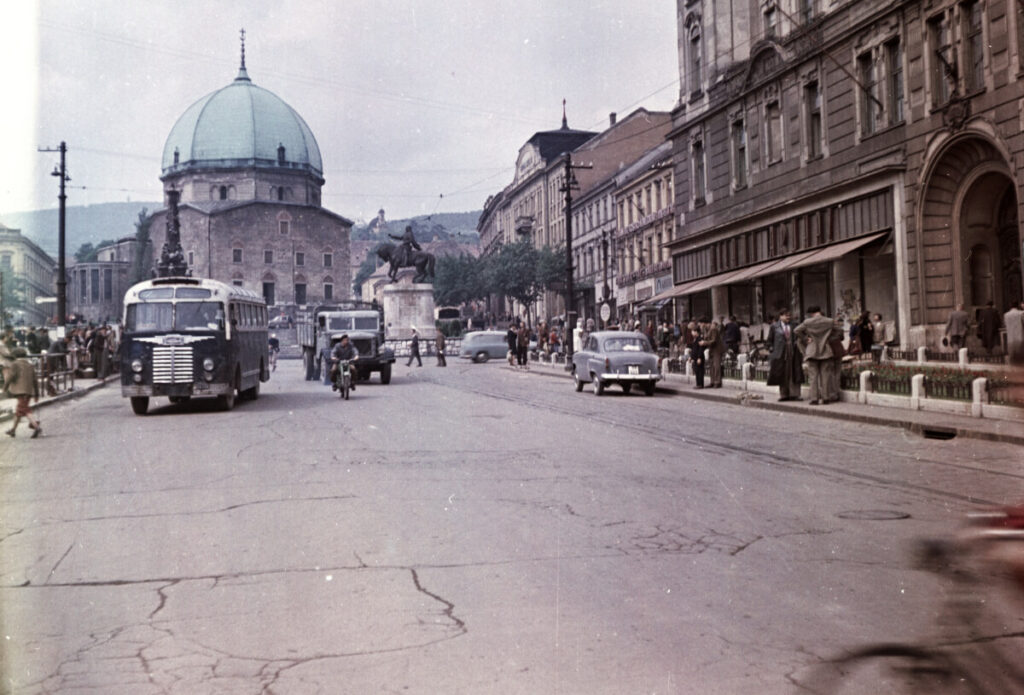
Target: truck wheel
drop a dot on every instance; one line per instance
(140, 404)
(308, 363)
(385, 374)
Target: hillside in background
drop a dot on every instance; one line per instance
(442, 226)
(95, 223)
(83, 224)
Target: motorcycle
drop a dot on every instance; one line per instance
(343, 378)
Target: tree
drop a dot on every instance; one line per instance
(87, 253)
(365, 271)
(141, 257)
(459, 279)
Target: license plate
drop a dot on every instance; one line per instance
(634, 369)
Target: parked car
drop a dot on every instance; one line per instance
(616, 357)
(481, 346)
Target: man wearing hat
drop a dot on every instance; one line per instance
(20, 382)
(414, 349)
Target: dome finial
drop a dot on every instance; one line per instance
(565, 121)
(242, 74)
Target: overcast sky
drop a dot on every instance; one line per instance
(418, 106)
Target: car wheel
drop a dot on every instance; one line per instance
(626, 386)
(481, 357)
(649, 388)
(597, 384)
(576, 381)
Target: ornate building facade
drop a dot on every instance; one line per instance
(858, 155)
(28, 273)
(249, 172)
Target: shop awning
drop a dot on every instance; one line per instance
(777, 265)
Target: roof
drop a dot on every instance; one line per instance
(552, 143)
(240, 125)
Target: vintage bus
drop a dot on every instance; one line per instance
(186, 337)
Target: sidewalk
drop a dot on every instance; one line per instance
(82, 387)
(926, 423)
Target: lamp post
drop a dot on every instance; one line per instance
(62, 281)
(569, 185)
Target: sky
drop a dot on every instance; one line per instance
(418, 106)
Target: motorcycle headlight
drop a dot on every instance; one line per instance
(136, 365)
(208, 364)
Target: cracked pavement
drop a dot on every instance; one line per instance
(467, 530)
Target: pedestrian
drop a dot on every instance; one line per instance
(523, 345)
(956, 327)
(714, 347)
(439, 342)
(696, 346)
(1014, 322)
(731, 335)
(814, 335)
(20, 382)
(512, 339)
(414, 349)
(32, 343)
(989, 323)
(97, 347)
(784, 359)
(862, 334)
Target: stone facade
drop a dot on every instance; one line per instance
(857, 155)
(95, 290)
(28, 273)
(292, 254)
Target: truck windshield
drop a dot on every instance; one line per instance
(162, 317)
(366, 323)
(339, 323)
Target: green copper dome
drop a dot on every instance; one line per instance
(241, 125)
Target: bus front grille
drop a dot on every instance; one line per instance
(172, 365)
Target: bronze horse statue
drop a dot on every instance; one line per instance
(421, 260)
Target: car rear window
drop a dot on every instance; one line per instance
(626, 345)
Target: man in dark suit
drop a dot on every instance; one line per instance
(785, 369)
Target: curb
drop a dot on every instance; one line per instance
(734, 396)
(66, 396)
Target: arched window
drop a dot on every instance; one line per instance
(693, 59)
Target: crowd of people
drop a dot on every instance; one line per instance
(91, 347)
(988, 324)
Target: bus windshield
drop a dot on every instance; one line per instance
(161, 317)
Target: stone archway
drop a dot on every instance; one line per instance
(968, 246)
(987, 235)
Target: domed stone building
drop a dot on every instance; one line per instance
(249, 174)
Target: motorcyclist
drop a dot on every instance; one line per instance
(344, 350)
(274, 347)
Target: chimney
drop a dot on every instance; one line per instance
(611, 119)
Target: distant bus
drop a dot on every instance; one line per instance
(186, 337)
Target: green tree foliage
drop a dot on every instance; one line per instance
(365, 271)
(459, 279)
(522, 272)
(87, 253)
(142, 256)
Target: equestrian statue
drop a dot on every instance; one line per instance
(404, 256)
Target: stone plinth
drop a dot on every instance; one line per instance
(406, 306)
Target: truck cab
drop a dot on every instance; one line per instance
(364, 324)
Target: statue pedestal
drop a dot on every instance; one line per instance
(408, 306)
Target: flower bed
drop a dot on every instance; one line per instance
(939, 382)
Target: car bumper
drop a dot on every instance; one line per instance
(631, 377)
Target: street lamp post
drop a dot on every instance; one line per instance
(569, 185)
(62, 281)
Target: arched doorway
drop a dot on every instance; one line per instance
(989, 250)
(968, 245)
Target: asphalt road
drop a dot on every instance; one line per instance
(474, 529)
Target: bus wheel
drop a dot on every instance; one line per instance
(140, 404)
(385, 374)
(251, 394)
(226, 401)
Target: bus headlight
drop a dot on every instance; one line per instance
(208, 364)
(136, 365)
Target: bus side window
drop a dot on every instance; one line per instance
(233, 313)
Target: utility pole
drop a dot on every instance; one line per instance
(569, 185)
(62, 281)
